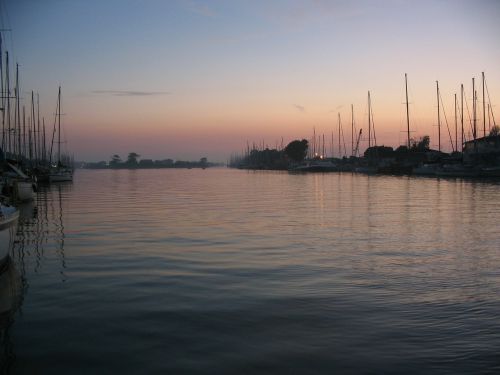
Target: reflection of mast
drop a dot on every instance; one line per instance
(38, 224)
(11, 298)
(61, 229)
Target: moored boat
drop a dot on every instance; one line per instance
(457, 170)
(21, 187)
(425, 170)
(62, 171)
(61, 174)
(316, 166)
(367, 169)
(490, 171)
(9, 216)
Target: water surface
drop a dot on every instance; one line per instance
(225, 271)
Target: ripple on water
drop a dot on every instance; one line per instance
(223, 271)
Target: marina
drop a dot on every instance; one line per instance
(235, 187)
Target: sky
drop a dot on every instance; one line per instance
(186, 79)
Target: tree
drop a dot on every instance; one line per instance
(115, 160)
(203, 162)
(297, 150)
(132, 159)
(495, 130)
(422, 144)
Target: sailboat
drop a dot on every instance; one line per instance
(369, 166)
(423, 169)
(8, 225)
(61, 171)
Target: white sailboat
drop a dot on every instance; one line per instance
(8, 225)
(61, 171)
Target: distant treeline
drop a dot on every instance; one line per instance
(275, 159)
(133, 162)
(297, 150)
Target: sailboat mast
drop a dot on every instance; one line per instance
(474, 108)
(352, 130)
(24, 132)
(38, 128)
(462, 113)
(407, 111)
(44, 145)
(369, 122)
(59, 127)
(484, 110)
(3, 94)
(323, 152)
(489, 117)
(439, 117)
(18, 109)
(340, 149)
(34, 124)
(332, 147)
(456, 124)
(314, 142)
(7, 82)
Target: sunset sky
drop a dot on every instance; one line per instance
(184, 79)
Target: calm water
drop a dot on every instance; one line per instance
(231, 272)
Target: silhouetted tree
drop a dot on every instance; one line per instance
(115, 160)
(132, 159)
(422, 144)
(297, 150)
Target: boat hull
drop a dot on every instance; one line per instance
(8, 227)
(23, 191)
(425, 170)
(316, 166)
(366, 170)
(457, 171)
(61, 177)
(490, 172)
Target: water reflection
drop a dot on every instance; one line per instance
(40, 236)
(11, 292)
(264, 266)
(41, 232)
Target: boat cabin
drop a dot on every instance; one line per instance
(481, 150)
